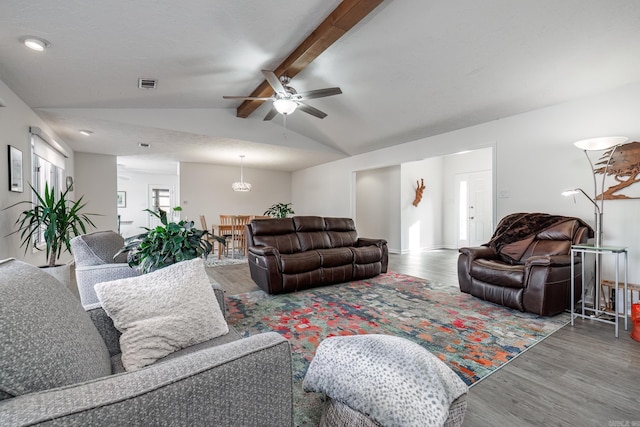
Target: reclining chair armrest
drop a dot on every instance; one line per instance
(264, 250)
(380, 243)
(465, 260)
(484, 252)
(552, 261)
(363, 241)
(548, 284)
(244, 382)
(111, 336)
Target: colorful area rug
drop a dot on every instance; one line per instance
(473, 337)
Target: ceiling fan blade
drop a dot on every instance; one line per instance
(311, 110)
(320, 93)
(271, 114)
(250, 98)
(274, 82)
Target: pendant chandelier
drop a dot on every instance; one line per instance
(241, 185)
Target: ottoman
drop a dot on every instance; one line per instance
(382, 380)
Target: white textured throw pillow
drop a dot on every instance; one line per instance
(162, 312)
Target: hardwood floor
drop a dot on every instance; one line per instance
(578, 376)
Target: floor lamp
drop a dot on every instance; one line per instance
(610, 143)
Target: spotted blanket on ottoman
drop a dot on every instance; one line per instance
(392, 380)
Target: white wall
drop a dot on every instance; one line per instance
(95, 181)
(378, 205)
(206, 190)
(535, 162)
(421, 226)
(15, 120)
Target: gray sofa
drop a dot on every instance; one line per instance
(59, 365)
(93, 255)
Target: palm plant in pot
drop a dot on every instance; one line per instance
(279, 210)
(167, 243)
(58, 219)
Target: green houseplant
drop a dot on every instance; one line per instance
(167, 243)
(279, 210)
(58, 218)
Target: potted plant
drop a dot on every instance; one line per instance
(167, 243)
(58, 219)
(279, 210)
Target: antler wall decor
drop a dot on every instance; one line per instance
(419, 192)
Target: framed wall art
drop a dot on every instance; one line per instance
(15, 170)
(122, 199)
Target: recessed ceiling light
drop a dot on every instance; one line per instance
(144, 145)
(85, 132)
(35, 43)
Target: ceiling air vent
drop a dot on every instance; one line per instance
(147, 83)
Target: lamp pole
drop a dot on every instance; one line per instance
(599, 144)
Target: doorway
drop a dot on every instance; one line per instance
(474, 200)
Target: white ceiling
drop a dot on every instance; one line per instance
(411, 69)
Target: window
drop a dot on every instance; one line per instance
(48, 169)
(161, 199)
(463, 211)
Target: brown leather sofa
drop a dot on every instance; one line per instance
(291, 254)
(527, 263)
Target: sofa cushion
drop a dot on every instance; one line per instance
(366, 254)
(162, 312)
(285, 243)
(300, 262)
(335, 257)
(98, 248)
(498, 273)
(547, 248)
(47, 340)
(562, 231)
(313, 240)
(278, 233)
(308, 223)
(272, 227)
(341, 231)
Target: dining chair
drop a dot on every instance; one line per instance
(226, 230)
(238, 232)
(232, 227)
(203, 223)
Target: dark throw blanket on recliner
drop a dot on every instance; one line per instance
(519, 226)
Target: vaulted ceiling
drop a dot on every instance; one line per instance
(409, 69)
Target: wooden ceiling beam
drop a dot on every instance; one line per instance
(341, 20)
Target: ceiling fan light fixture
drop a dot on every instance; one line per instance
(285, 106)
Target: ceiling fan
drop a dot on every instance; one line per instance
(286, 99)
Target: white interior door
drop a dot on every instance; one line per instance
(475, 212)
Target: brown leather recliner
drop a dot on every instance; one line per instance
(291, 254)
(527, 263)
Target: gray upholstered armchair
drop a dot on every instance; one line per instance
(57, 368)
(94, 262)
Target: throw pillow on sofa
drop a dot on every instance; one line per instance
(162, 312)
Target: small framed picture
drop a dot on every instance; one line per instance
(15, 170)
(122, 199)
